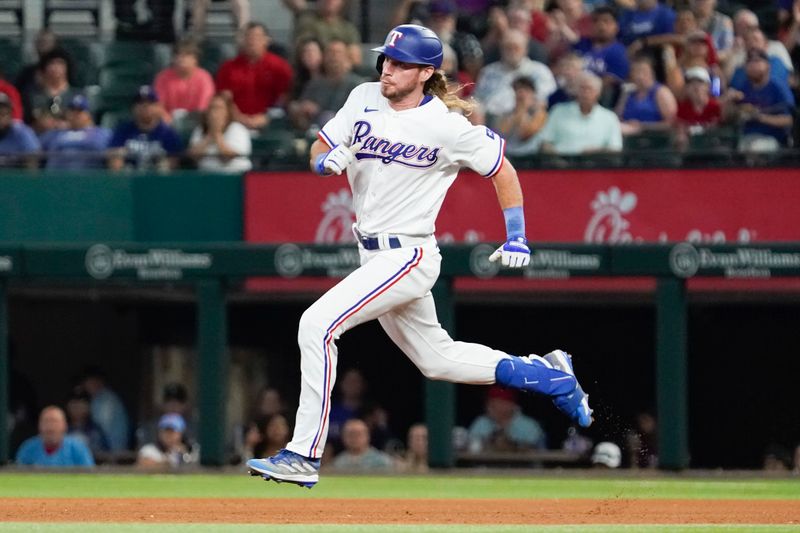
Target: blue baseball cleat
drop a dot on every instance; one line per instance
(286, 466)
(576, 403)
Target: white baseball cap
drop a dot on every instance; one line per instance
(697, 73)
(608, 454)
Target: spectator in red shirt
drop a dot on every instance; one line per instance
(698, 110)
(184, 84)
(13, 96)
(256, 79)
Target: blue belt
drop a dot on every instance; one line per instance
(372, 243)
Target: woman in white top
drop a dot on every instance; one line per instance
(220, 144)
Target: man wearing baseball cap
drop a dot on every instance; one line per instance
(81, 145)
(504, 427)
(698, 107)
(17, 140)
(169, 451)
(762, 105)
(146, 142)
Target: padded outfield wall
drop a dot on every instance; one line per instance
(612, 325)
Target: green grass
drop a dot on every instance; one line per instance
(123, 485)
(252, 528)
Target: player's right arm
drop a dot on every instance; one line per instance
(331, 153)
(317, 149)
(326, 161)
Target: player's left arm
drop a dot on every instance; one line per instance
(515, 252)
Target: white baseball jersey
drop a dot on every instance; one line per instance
(408, 159)
(406, 163)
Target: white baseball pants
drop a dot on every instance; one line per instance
(394, 287)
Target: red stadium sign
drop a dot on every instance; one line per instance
(602, 206)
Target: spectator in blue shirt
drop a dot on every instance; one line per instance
(649, 106)
(755, 39)
(567, 71)
(82, 427)
(18, 143)
(604, 55)
(82, 145)
(107, 410)
(762, 106)
(146, 142)
(504, 427)
(52, 447)
(643, 26)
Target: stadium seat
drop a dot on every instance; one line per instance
(85, 62)
(112, 118)
(220, 21)
(213, 53)
(275, 142)
(73, 25)
(185, 124)
(651, 140)
(128, 53)
(123, 81)
(714, 140)
(652, 148)
(12, 59)
(14, 10)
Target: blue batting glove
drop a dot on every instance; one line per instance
(514, 253)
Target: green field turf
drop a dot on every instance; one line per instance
(40, 485)
(48, 485)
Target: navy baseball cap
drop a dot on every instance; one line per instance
(441, 7)
(172, 421)
(79, 103)
(146, 93)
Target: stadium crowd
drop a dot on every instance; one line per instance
(93, 427)
(561, 76)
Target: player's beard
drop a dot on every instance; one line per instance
(393, 93)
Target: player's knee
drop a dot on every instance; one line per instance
(311, 326)
(435, 371)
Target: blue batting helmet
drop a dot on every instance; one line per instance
(413, 44)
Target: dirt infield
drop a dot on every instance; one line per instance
(401, 511)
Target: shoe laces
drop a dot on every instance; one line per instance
(288, 457)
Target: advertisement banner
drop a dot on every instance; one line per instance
(589, 206)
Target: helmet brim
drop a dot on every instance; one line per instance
(399, 55)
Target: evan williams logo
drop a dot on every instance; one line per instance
(291, 261)
(685, 261)
(101, 262)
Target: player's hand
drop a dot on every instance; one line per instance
(338, 159)
(514, 253)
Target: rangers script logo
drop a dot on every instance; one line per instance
(374, 147)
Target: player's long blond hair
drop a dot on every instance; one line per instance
(437, 86)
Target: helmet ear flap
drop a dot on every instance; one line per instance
(379, 63)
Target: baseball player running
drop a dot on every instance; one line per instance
(402, 146)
